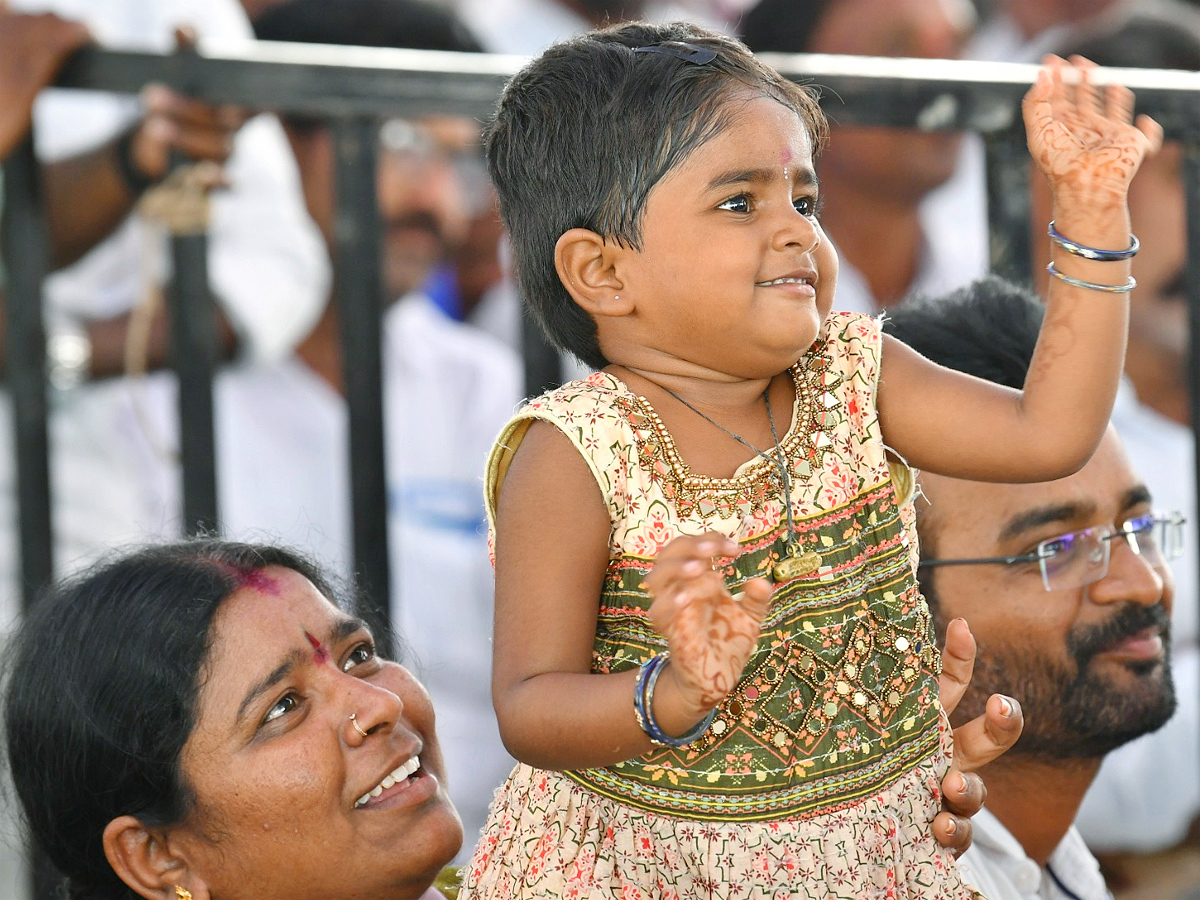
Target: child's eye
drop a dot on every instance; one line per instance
(281, 707)
(738, 204)
(807, 206)
(361, 654)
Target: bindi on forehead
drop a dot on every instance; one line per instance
(320, 653)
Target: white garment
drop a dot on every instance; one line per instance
(283, 473)
(267, 262)
(997, 865)
(527, 27)
(1119, 812)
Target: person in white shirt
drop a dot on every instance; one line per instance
(282, 465)
(1067, 590)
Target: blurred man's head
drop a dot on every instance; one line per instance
(431, 180)
(881, 160)
(1064, 583)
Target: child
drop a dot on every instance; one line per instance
(711, 656)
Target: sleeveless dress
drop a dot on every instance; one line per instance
(819, 775)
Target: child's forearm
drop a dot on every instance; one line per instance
(1073, 376)
(565, 720)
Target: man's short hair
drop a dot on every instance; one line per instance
(987, 329)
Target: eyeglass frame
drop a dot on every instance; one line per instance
(1173, 519)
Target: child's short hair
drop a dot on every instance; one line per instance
(585, 131)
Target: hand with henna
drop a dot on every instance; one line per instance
(710, 633)
(1083, 136)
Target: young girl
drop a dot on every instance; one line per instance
(711, 656)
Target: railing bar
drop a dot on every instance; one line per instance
(193, 356)
(24, 242)
(359, 292)
(934, 94)
(1191, 180)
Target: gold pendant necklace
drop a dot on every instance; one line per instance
(798, 562)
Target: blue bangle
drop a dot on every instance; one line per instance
(1091, 252)
(1091, 285)
(643, 706)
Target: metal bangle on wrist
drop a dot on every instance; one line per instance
(1093, 253)
(643, 706)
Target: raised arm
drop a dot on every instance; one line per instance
(1084, 140)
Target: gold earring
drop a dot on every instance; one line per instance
(182, 893)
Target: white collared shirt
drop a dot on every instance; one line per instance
(997, 865)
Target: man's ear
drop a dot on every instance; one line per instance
(143, 859)
(587, 265)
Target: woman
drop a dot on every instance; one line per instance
(205, 721)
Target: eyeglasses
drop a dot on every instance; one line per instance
(1081, 557)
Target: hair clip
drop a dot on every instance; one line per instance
(689, 53)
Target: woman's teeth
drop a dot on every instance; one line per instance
(392, 778)
(783, 281)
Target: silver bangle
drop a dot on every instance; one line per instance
(68, 359)
(1091, 252)
(1091, 285)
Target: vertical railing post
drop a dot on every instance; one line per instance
(1009, 245)
(24, 243)
(1191, 180)
(25, 246)
(543, 367)
(193, 356)
(359, 296)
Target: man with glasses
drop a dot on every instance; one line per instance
(1066, 588)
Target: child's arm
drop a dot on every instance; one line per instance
(552, 548)
(1084, 141)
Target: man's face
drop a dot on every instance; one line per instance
(427, 195)
(891, 161)
(1090, 665)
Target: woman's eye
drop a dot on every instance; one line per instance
(281, 707)
(362, 653)
(807, 206)
(738, 204)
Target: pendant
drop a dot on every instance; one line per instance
(797, 564)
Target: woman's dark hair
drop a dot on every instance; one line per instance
(585, 131)
(101, 695)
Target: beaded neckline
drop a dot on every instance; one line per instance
(757, 479)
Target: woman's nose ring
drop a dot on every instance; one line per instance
(357, 727)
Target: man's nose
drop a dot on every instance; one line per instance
(1132, 577)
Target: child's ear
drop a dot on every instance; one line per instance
(587, 267)
(144, 859)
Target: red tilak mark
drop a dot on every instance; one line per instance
(320, 654)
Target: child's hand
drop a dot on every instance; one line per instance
(710, 634)
(1083, 137)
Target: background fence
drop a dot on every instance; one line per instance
(354, 88)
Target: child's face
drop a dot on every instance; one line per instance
(735, 273)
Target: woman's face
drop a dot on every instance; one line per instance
(279, 771)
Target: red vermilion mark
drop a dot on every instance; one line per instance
(320, 654)
(255, 579)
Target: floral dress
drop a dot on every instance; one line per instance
(819, 775)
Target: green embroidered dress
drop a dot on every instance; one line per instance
(819, 776)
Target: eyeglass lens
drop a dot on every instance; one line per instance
(1082, 557)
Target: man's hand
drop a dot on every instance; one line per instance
(976, 743)
(32, 47)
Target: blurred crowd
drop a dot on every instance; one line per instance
(906, 210)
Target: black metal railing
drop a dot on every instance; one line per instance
(356, 87)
